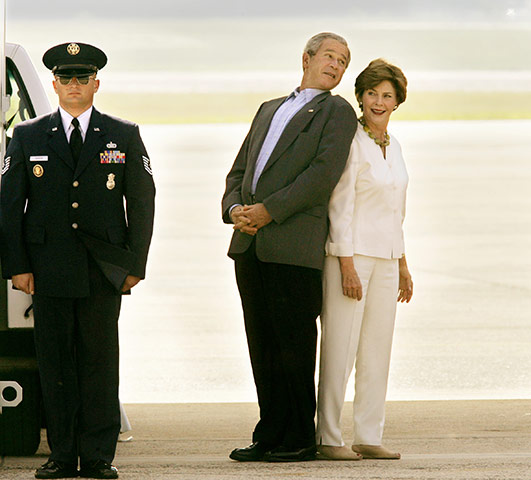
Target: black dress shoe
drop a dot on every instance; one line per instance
(98, 469)
(253, 453)
(285, 454)
(53, 469)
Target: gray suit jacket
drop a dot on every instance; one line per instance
(297, 181)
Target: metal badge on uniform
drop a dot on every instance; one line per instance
(38, 171)
(73, 49)
(6, 165)
(110, 181)
(310, 111)
(38, 158)
(147, 165)
(112, 156)
(111, 145)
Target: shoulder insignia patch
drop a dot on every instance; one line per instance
(147, 165)
(6, 165)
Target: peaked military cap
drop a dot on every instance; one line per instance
(74, 58)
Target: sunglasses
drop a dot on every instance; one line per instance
(67, 79)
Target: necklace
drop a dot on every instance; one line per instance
(380, 143)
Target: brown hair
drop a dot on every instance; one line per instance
(377, 72)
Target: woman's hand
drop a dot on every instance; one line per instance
(405, 283)
(349, 278)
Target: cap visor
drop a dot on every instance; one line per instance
(71, 70)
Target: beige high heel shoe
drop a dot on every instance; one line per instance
(328, 452)
(376, 452)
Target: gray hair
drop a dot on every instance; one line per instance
(314, 44)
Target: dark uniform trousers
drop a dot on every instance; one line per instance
(280, 305)
(77, 350)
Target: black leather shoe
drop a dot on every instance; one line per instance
(285, 454)
(98, 469)
(53, 469)
(253, 453)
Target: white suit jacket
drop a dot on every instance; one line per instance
(368, 205)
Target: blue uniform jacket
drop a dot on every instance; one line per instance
(53, 215)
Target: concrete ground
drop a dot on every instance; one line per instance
(454, 440)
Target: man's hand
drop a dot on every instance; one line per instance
(258, 215)
(241, 221)
(130, 282)
(24, 282)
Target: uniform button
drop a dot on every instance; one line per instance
(74, 226)
(75, 184)
(75, 205)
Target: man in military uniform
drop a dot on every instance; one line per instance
(72, 242)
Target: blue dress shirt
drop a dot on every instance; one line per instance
(296, 100)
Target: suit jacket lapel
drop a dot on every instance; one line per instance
(295, 127)
(93, 142)
(57, 139)
(258, 137)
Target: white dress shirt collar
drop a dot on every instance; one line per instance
(84, 120)
(308, 93)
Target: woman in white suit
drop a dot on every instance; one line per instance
(365, 272)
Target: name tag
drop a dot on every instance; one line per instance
(39, 158)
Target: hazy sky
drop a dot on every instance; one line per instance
(213, 53)
(470, 10)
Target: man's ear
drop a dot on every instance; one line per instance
(305, 60)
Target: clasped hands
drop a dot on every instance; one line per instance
(250, 218)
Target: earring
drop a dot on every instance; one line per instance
(396, 106)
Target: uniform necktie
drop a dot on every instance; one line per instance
(76, 141)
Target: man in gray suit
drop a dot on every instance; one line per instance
(276, 196)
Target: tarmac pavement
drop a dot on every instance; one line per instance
(454, 440)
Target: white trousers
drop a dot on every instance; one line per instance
(360, 332)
